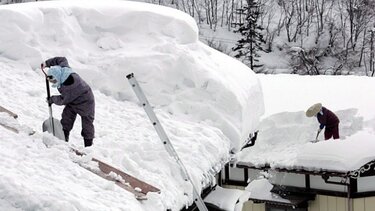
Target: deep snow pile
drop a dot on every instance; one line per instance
(285, 131)
(104, 42)
(207, 102)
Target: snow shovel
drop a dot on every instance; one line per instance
(316, 138)
(51, 124)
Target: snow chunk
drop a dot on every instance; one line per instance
(223, 198)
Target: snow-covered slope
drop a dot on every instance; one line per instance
(106, 41)
(207, 102)
(285, 131)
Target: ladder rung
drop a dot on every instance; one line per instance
(164, 138)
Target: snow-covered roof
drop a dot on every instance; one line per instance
(207, 102)
(285, 132)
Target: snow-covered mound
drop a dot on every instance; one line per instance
(206, 101)
(285, 132)
(105, 41)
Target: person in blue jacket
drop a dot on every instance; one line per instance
(75, 94)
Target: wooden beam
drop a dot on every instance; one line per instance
(14, 115)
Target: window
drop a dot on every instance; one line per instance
(272, 207)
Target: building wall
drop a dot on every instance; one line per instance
(366, 184)
(328, 203)
(322, 202)
(251, 206)
(325, 203)
(331, 203)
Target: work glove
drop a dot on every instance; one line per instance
(49, 100)
(43, 65)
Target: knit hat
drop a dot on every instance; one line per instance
(60, 74)
(313, 110)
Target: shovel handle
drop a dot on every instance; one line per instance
(49, 104)
(47, 84)
(42, 68)
(317, 134)
(48, 92)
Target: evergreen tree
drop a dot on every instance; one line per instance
(252, 38)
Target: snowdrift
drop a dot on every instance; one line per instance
(206, 101)
(285, 132)
(105, 41)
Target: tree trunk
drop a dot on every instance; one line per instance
(362, 48)
(372, 63)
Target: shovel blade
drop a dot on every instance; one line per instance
(54, 126)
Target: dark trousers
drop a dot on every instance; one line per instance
(331, 131)
(68, 118)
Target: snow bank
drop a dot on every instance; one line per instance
(226, 199)
(261, 189)
(285, 132)
(105, 41)
(206, 101)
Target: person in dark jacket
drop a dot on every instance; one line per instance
(75, 94)
(327, 119)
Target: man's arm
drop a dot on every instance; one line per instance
(64, 99)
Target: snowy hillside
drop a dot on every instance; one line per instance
(207, 102)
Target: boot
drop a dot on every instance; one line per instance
(66, 134)
(88, 142)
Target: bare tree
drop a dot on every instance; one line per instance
(372, 62)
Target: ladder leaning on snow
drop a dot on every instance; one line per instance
(164, 138)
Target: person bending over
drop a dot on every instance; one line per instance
(75, 94)
(327, 120)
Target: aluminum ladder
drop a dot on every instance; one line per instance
(164, 138)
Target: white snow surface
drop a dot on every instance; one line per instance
(285, 132)
(227, 199)
(261, 189)
(207, 102)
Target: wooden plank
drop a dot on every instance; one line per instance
(323, 205)
(359, 204)
(134, 182)
(314, 205)
(251, 206)
(13, 125)
(259, 207)
(138, 195)
(9, 128)
(341, 203)
(332, 203)
(2, 109)
(248, 206)
(131, 183)
(369, 203)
